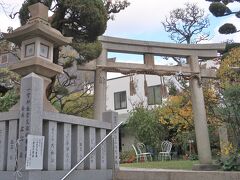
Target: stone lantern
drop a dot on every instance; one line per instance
(37, 40)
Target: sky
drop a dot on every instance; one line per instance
(142, 21)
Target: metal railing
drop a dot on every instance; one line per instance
(88, 154)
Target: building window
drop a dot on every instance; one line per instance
(154, 95)
(120, 100)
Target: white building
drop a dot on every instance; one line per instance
(120, 99)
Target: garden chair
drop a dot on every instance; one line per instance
(141, 155)
(142, 149)
(166, 147)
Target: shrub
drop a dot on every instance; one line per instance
(127, 157)
(145, 126)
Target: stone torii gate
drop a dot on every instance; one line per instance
(192, 52)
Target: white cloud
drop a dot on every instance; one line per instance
(141, 20)
(8, 7)
(143, 17)
(8, 22)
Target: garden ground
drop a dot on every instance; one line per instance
(173, 164)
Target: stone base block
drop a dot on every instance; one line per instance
(205, 167)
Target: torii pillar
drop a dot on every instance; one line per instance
(200, 118)
(100, 86)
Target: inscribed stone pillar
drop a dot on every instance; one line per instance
(50, 150)
(100, 87)
(64, 146)
(31, 113)
(101, 151)
(199, 114)
(12, 137)
(3, 144)
(112, 143)
(78, 145)
(89, 144)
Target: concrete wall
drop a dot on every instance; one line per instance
(153, 174)
(57, 175)
(127, 140)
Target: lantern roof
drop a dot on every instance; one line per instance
(37, 26)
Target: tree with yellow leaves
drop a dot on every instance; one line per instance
(176, 113)
(177, 116)
(229, 75)
(229, 71)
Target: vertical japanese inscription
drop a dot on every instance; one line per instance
(52, 142)
(25, 122)
(92, 145)
(67, 146)
(12, 138)
(116, 145)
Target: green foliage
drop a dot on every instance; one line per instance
(219, 8)
(60, 90)
(227, 28)
(8, 81)
(83, 20)
(89, 50)
(8, 100)
(213, 130)
(182, 141)
(193, 157)
(9, 92)
(144, 124)
(172, 89)
(227, 74)
(232, 163)
(229, 110)
(127, 156)
(229, 45)
(79, 104)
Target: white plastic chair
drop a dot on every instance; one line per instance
(166, 150)
(141, 155)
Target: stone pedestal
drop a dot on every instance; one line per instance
(31, 113)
